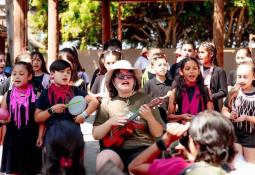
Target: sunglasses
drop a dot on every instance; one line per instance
(123, 76)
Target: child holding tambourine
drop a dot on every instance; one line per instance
(51, 110)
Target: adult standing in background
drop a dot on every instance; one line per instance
(142, 61)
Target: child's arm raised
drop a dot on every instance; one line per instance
(141, 164)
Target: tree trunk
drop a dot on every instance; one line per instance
(166, 31)
(230, 26)
(173, 42)
(17, 27)
(239, 28)
(53, 31)
(218, 29)
(119, 22)
(106, 21)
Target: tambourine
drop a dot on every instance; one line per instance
(76, 105)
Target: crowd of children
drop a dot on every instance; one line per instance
(41, 136)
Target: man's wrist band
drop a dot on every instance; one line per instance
(84, 115)
(161, 145)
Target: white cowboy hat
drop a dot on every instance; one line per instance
(122, 64)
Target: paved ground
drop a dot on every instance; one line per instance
(92, 147)
(91, 150)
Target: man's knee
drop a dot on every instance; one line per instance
(107, 155)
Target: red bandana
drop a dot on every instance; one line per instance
(59, 92)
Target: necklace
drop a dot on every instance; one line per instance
(127, 99)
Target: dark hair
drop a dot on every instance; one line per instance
(64, 149)
(157, 56)
(28, 67)
(115, 53)
(113, 91)
(190, 43)
(40, 56)
(59, 65)
(102, 69)
(181, 85)
(71, 55)
(248, 51)
(102, 57)
(215, 136)
(153, 51)
(112, 44)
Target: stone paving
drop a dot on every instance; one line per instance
(92, 147)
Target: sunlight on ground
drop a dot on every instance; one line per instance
(86, 129)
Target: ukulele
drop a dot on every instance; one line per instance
(118, 134)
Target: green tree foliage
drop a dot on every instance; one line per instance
(160, 24)
(251, 7)
(38, 15)
(163, 24)
(239, 22)
(79, 20)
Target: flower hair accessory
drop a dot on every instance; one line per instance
(65, 162)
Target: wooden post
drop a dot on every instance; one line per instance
(53, 31)
(16, 18)
(218, 30)
(106, 21)
(2, 44)
(119, 22)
